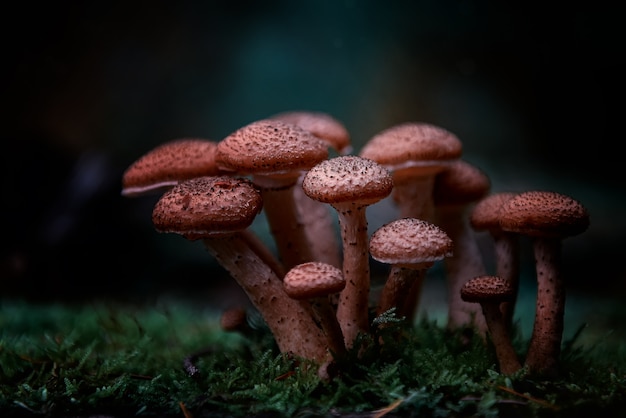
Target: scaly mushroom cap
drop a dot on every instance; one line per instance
(270, 147)
(320, 124)
(313, 279)
(460, 183)
(544, 214)
(410, 241)
(486, 213)
(206, 206)
(413, 144)
(487, 289)
(168, 164)
(348, 178)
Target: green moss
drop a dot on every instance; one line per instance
(60, 360)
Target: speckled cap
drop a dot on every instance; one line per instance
(409, 241)
(270, 147)
(320, 124)
(207, 206)
(348, 178)
(313, 279)
(487, 289)
(460, 183)
(485, 215)
(544, 214)
(412, 144)
(168, 164)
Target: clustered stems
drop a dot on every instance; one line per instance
(280, 168)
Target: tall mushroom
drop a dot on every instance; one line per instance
(350, 184)
(455, 190)
(414, 152)
(275, 154)
(485, 216)
(169, 163)
(547, 217)
(216, 210)
(318, 223)
(411, 246)
(490, 292)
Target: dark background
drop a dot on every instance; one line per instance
(88, 87)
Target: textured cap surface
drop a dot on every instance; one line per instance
(206, 206)
(347, 178)
(269, 147)
(409, 241)
(169, 163)
(412, 143)
(486, 213)
(320, 124)
(544, 214)
(487, 289)
(460, 183)
(313, 279)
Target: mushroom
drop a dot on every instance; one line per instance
(350, 184)
(169, 163)
(490, 292)
(316, 217)
(414, 152)
(275, 153)
(216, 210)
(485, 216)
(235, 320)
(547, 218)
(455, 189)
(315, 281)
(411, 246)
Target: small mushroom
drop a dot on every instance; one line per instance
(490, 292)
(314, 282)
(350, 184)
(411, 246)
(166, 165)
(485, 216)
(455, 190)
(216, 209)
(275, 154)
(547, 217)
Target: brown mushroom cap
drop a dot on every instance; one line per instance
(313, 279)
(413, 144)
(205, 206)
(168, 164)
(460, 183)
(320, 124)
(409, 241)
(270, 147)
(486, 213)
(544, 214)
(348, 178)
(486, 289)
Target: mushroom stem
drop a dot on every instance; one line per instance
(353, 308)
(413, 196)
(545, 343)
(506, 249)
(395, 292)
(289, 321)
(507, 357)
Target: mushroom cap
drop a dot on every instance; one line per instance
(168, 164)
(413, 144)
(409, 241)
(348, 178)
(313, 279)
(320, 124)
(489, 289)
(270, 147)
(460, 183)
(544, 214)
(486, 213)
(207, 206)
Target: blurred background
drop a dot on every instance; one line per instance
(91, 86)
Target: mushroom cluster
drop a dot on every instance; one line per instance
(314, 291)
